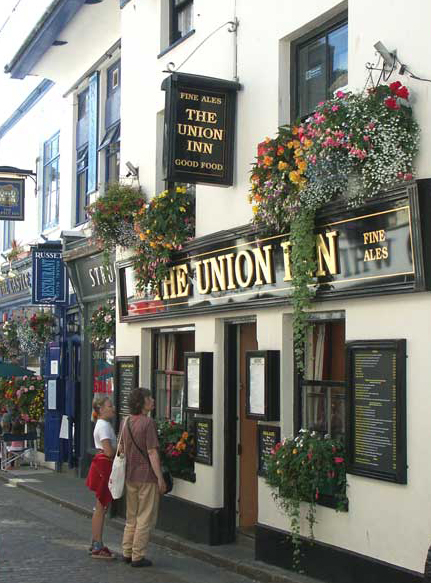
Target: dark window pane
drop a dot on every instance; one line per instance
(337, 48)
(311, 76)
(316, 407)
(185, 20)
(82, 105)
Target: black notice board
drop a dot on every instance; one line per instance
(376, 412)
(126, 379)
(204, 441)
(267, 438)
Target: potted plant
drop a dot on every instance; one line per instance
(102, 325)
(177, 451)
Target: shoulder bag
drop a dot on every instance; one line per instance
(167, 476)
(118, 471)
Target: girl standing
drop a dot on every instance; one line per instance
(100, 470)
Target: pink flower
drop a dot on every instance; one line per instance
(39, 378)
(338, 460)
(335, 107)
(24, 378)
(340, 94)
(25, 389)
(366, 138)
(321, 103)
(408, 176)
(18, 393)
(25, 417)
(31, 388)
(371, 125)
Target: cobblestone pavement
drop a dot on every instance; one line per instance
(43, 542)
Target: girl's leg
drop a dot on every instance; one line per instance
(97, 522)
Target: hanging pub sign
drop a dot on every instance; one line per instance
(199, 129)
(12, 192)
(50, 282)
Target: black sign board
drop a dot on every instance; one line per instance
(94, 277)
(373, 250)
(204, 441)
(267, 438)
(377, 409)
(199, 129)
(126, 379)
(198, 386)
(50, 281)
(12, 194)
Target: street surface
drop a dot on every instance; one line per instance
(43, 542)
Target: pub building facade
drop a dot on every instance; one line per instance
(215, 345)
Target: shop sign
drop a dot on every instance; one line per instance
(199, 129)
(50, 282)
(15, 285)
(376, 406)
(12, 194)
(379, 251)
(94, 276)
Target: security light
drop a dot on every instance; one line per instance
(388, 57)
(133, 170)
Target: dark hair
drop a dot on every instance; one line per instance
(137, 399)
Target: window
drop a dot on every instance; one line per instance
(181, 19)
(111, 145)
(113, 95)
(322, 388)
(51, 182)
(8, 234)
(81, 184)
(319, 68)
(168, 378)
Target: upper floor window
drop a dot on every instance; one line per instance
(322, 386)
(319, 68)
(51, 182)
(81, 184)
(8, 234)
(113, 94)
(181, 19)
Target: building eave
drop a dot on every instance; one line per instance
(48, 28)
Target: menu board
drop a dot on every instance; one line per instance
(268, 437)
(257, 385)
(204, 441)
(377, 409)
(193, 380)
(127, 378)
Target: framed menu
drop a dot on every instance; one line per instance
(198, 386)
(263, 385)
(267, 438)
(126, 379)
(204, 441)
(376, 409)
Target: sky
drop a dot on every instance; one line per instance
(17, 19)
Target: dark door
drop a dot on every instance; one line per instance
(248, 497)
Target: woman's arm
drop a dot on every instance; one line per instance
(108, 450)
(153, 454)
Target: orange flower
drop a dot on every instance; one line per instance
(282, 165)
(185, 435)
(280, 150)
(268, 160)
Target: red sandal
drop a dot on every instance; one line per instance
(103, 553)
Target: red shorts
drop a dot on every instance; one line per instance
(98, 478)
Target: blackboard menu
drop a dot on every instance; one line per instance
(376, 392)
(127, 378)
(268, 437)
(204, 441)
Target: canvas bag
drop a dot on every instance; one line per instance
(118, 472)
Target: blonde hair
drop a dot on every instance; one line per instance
(98, 403)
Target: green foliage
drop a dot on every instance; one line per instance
(23, 397)
(300, 470)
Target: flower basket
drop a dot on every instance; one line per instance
(23, 398)
(102, 325)
(177, 451)
(305, 469)
(34, 334)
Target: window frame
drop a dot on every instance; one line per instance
(49, 163)
(81, 156)
(174, 11)
(300, 383)
(323, 30)
(9, 228)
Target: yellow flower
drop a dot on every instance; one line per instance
(255, 208)
(181, 190)
(182, 209)
(282, 165)
(268, 160)
(294, 451)
(267, 140)
(153, 245)
(296, 144)
(290, 145)
(142, 236)
(307, 143)
(298, 152)
(294, 176)
(302, 165)
(148, 231)
(295, 130)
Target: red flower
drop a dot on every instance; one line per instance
(391, 103)
(395, 86)
(338, 460)
(277, 447)
(403, 92)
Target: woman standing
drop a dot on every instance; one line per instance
(100, 470)
(144, 479)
